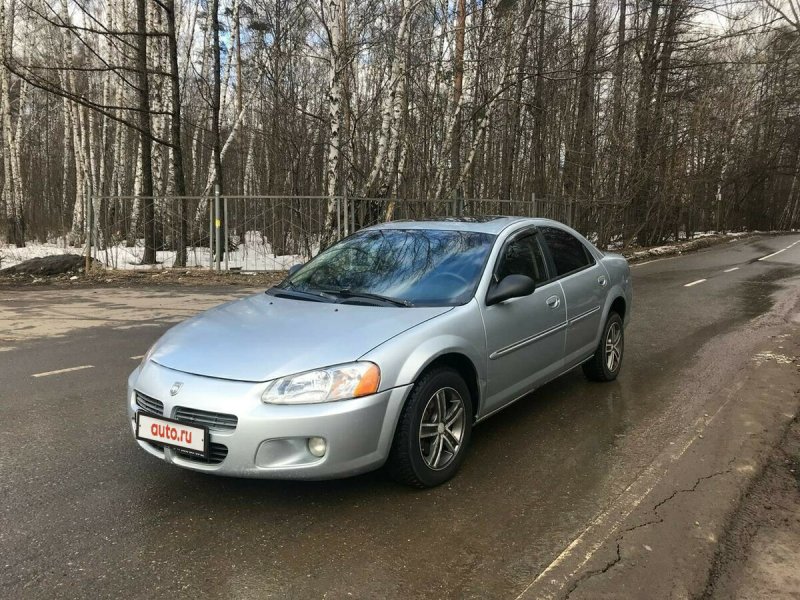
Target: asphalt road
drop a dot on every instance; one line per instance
(85, 513)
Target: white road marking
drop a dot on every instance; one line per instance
(140, 357)
(773, 254)
(647, 262)
(731, 269)
(59, 371)
(612, 518)
(694, 283)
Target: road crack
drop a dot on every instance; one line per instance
(619, 539)
(589, 574)
(691, 489)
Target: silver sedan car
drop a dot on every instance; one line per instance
(385, 349)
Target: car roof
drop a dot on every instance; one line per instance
(485, 224)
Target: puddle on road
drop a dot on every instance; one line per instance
(758, 294)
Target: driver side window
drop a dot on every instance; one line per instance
(522, 256)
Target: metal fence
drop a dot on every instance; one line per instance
(265, 233)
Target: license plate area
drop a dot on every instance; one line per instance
(190, 439)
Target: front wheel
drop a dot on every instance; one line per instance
(434, 430)
(607, 359)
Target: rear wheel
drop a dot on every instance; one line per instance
(607, 360)
(434, 430)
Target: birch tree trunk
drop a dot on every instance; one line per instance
(80, 171)
(145, 135)
(539, 153)
(332, 20)
(176, 150)
(216, 93)
(11, 191)
(618, 117)
(75, 131)
(391, 106)
(458, 84)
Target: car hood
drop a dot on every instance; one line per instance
(263, 337)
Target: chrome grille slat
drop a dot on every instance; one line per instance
(149, 404)
(213, 420)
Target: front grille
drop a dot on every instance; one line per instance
(190, 416)
(148, 404)
(213, 420)
(216, 454)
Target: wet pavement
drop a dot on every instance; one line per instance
(85, 513)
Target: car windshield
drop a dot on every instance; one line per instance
(404, 267)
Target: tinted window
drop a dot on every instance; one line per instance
(522, 256)
(425, 267)
(569, 254)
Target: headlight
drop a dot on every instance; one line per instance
(340, 382)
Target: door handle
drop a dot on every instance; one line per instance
(553, 301)
(602, 280)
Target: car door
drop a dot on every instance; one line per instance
(525, 336)
(585, 283)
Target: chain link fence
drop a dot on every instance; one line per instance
(266, 233)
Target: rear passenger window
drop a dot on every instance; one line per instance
(569, 253)
(523, 256)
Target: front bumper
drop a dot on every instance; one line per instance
(269, 440)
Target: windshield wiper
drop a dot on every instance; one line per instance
(291, 290)
(346, 293)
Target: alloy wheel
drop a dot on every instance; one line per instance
(441, 429)
(613, 347)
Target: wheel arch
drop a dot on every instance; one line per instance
(616, 301)
(619, 306)
(464, 366)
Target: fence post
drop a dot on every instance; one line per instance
(88, 221)
(210, 235)
(535, 204)
(217, 228)
(338, 218)
(346, 218)
(225, 229)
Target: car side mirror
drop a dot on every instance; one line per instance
(295, 268)
(511, 286)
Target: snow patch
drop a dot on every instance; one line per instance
(256, 253)
(768, 355)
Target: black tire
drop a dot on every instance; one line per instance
(597, 368)
(407, 462)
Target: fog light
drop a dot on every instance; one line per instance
(317, 446)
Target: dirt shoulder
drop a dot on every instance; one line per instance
(759, 555)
